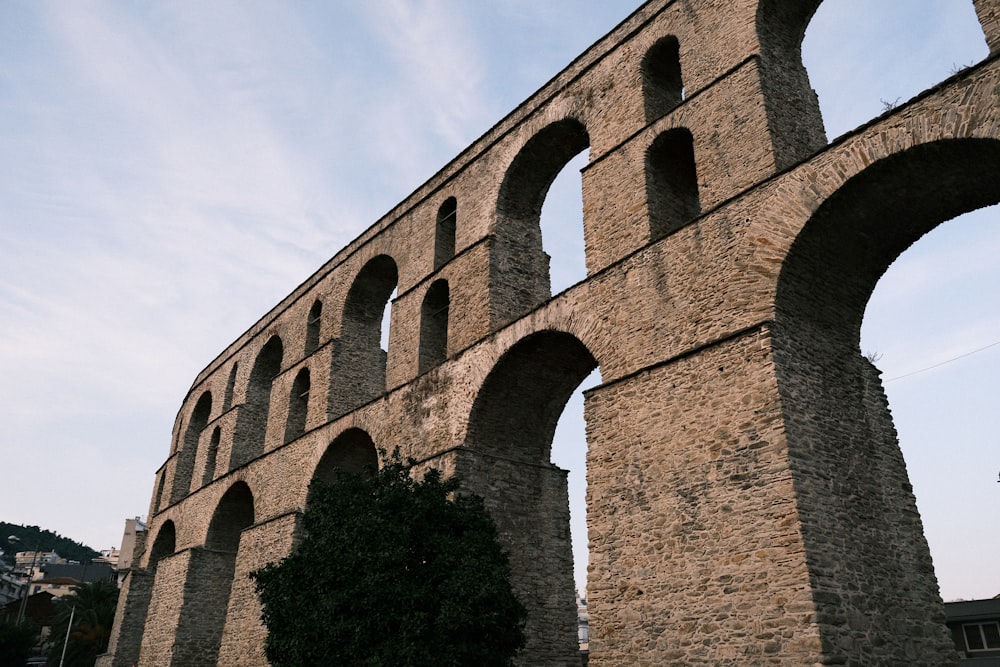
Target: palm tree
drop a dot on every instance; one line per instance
(92, 609)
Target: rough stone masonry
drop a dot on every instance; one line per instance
(747, 501)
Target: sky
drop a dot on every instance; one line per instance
(169, 171)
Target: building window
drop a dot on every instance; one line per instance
(982, 636)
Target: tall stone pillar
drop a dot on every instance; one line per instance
(130, 618)
(870, 570)
(188, 608)
(244, 633)
(530, 504)
(749, 505)
(696, 551)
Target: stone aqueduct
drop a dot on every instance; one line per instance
(747, 501)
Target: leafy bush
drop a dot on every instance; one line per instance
(16, 642)
(392, 572)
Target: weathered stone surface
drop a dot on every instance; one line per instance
(747, 501)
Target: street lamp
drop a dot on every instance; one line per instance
(27, 586)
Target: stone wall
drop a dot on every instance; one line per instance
(747, 501)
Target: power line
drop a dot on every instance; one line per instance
(947, 361)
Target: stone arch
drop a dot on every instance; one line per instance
(520, 260)
(517, 408)
(781, 26)
(662, 85)
(838, 417)
(791, 104)
(164, 545)
(251, 423)
(184, 470)
(313, 325)
(904, 63)
(233, 514)
(359, 362)
(444, 232)
(671, 182)
(511, 425)
(298, 406)
(434, 326)
(227, 399)
(133, 610)
(210, 579)
(160, 484)
(353, 451)
(853, 236)
(211, 456)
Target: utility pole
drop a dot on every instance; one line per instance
(27, 586)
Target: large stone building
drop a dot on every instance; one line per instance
(747, 501)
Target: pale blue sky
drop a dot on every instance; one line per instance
(169, 171)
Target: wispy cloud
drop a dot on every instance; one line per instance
(432, 45)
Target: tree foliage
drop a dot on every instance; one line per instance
(16, 642)
(392, 571)
(92, 608)
(45, 540)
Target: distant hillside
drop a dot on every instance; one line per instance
(45, 540)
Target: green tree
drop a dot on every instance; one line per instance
(392, 572)
(16, 641)
(45, 540)
(92, 608)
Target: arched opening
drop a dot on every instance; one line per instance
(164, 545)
(189, 447)
(512, 425)
(862, 68)
(227, 399)
(520, 270)
(210, 579)
(434, 326)
(298, 406)
(791, 106)
(251, 423)
(569, 452)
(359, 362)
(351, 452)
(858, 509)
(232, 516)
(859, 69)
(562, 225)
(160, 483)
(671, 183)
(662, 87)
(313, 323)
(211, 456)
(932, 330)
(444, 236)
(517, 409)
(134, 609)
